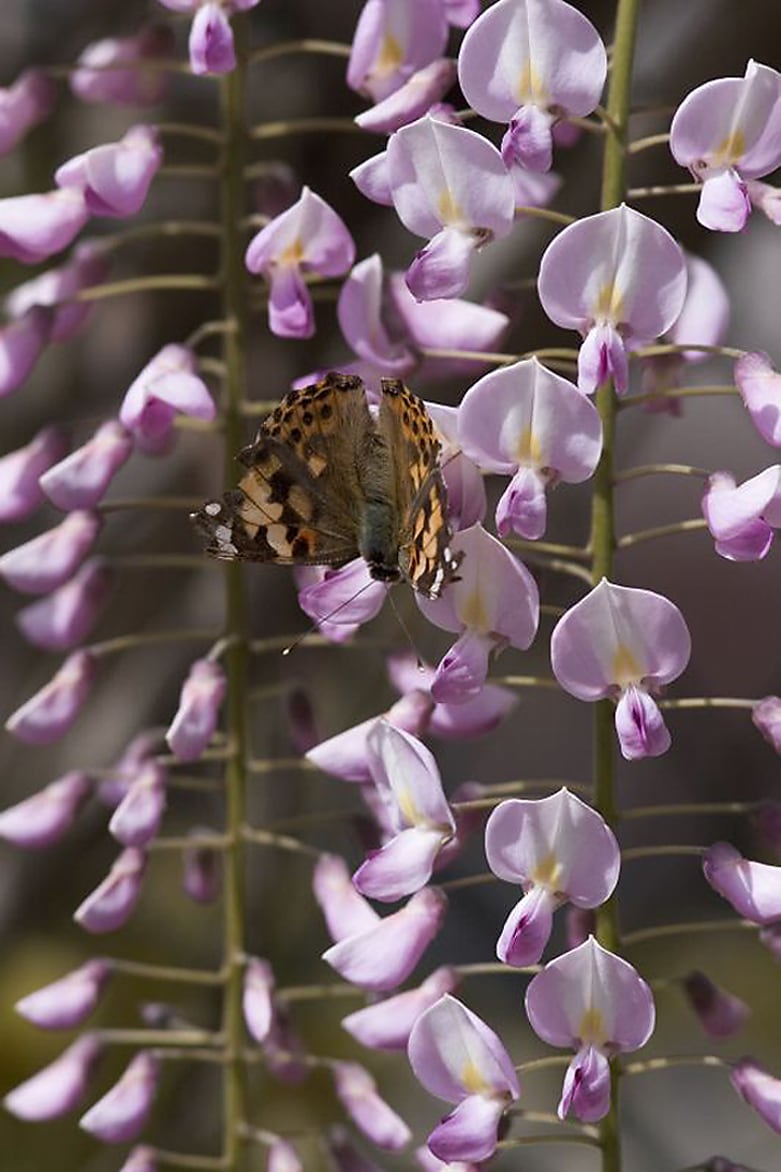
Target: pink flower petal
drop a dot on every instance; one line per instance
(121, 1113)
(67, 1002)
(63, 619)
(47, 561)
(60, 1086)
(640, 726)
(753, 889)
(113, 901)
(20, 493)
(47, 715)
(386, 1024)
(43, 819)
(80, 480)
(211, 40)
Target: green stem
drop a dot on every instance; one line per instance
(232, 210)
(603, 539)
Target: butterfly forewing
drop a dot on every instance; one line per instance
(324, 481)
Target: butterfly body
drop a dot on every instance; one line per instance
(326, 482)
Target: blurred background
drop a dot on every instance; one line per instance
(671, 1119)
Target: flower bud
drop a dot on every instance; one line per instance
(45, 562)
(60, 1086)
(121, 1113)
(113, 901)
(20, 492)
(357, 1092)
(44, 818)
(199, 704)
(80, 480)
(52, 710)
(67, 1002)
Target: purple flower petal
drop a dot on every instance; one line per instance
(760, 1089)
(60, 1086)
(258, 998)
(199, 706)
(67, 1002)
(386, 1024)
(121, 1113)
(411, 100)
(43, 819)
(131, 85)
(113, 901)
(721, 1014)
(454, 1054)
(21, 344)
(470, 1133)
(30, 100)
(20, 493)
(586, 1089)
(753, 889)
(64, 618)
(115, 179)
(35, 227)
(211, 40)
(137, 818)
(47, 561)
(357, 1091)
(80, 480)
(527, 929)
(640, 726)
(403, 866)
(759, 386)
(346, 912)
(53, 709)
(724, 202)
(393, 41)
(766, 716)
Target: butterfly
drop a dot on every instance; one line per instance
(326, 482)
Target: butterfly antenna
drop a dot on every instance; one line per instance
(406, 630)
(323, 619)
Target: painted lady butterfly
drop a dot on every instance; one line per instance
(326, 482)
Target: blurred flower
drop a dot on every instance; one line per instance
(80, 480)
(167, 386)
(131, 83)
(43, 819)
(357, 1092)
(22, 342)
(759, 386)
(766, 715)
(458, 1058)
(753, 889)
(35, 227)
(595, 1002)
(411, 100)
(201, 870)
(67, 1002)
(87, 266)
(121, 1113)
(64, 618)
(760, 1089)
(60, 1086)
(114, 900)
(53, 709)
(196, 718)
(136, 820)
(20, 492)
(386, 1024)
(25, 103)
(47, 561)
(623, 643)
(458, 721)
(115, 177)
(392, 41)
(721, 1014)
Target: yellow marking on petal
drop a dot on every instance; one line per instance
(473, 612)
(407, 806)
(472, 1080)
(733, 147)
(547, 872)
(592, 1028)
(293, 254)
(529, 87)
(389, 57)
(449, 211)
(528, 451)
(626, 669)
(609, 303)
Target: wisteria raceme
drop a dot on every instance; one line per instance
(198, 212)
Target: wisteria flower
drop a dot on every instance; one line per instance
(22, 342)
(20, 492)
(46, 816)
(339, 600)
(131, 83)
(35, 227)
(24, 104)
(383, 954)
(753, 889)
(450, 185)
(766, 716)
(620, 279)
(470, 718)
(459, 1058)
(63, 619)
(346, 755)
(199, 705)
(493, 603)
(530, 63)
(60, 1086)
(386, 1024)
(88, 265)
(166, 387)
(121, 1113)
(528, 422)
(558, 849)
(466, 499)
(80, 480)
(595, 1002)
(726, 132)
(760, 1089)
(412, 100)
(47, 715)
(759, 386)
(742, 518)
(137, 818)
(115, 178)
(47, 561)
(407, 777)
(623, 643)
(357, 1092)
(721, 1014)
(308, 237)
(69, 1001)
(210, 43)
(114, 900)
(392, 42)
